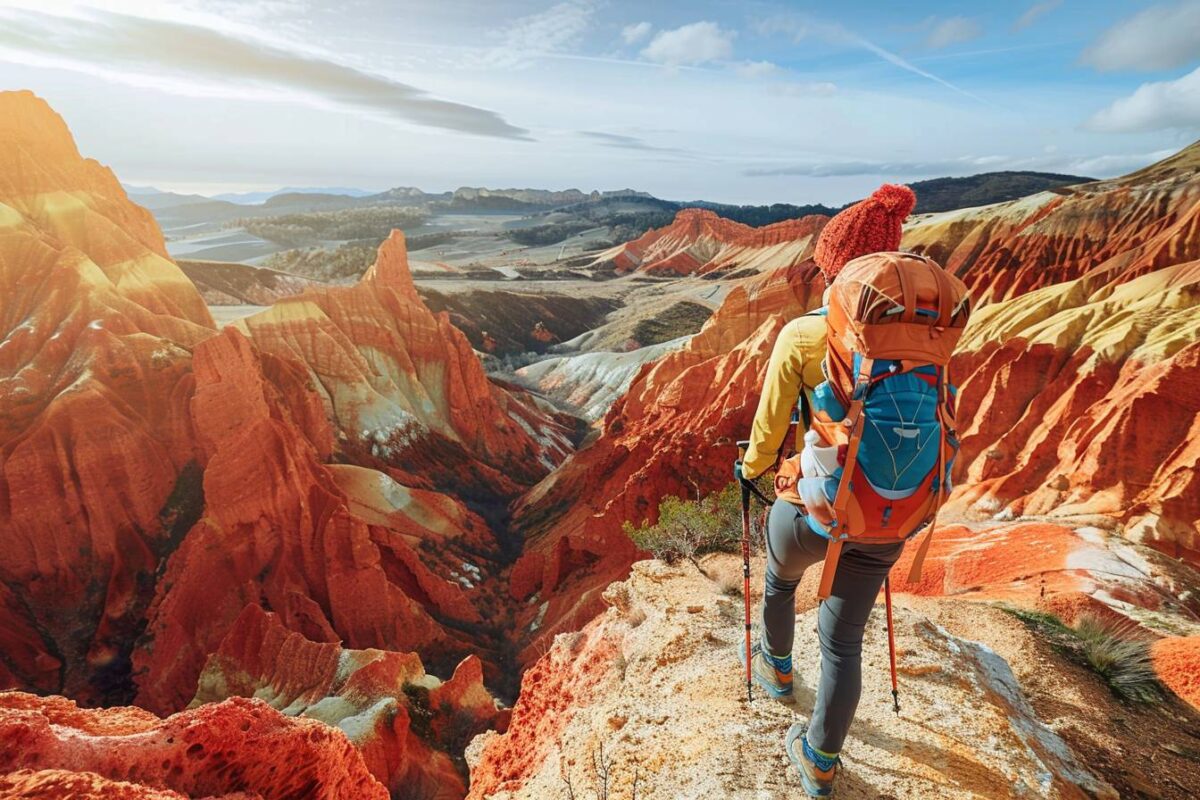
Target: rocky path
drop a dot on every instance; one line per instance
(647, 702)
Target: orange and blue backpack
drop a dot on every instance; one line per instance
(887, 405)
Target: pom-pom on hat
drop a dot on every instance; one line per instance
(869, 226)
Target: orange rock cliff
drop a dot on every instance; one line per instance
(165, 488)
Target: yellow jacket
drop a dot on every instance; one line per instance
(795, 365)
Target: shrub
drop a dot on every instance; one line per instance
(690, 528)
(1117, 653)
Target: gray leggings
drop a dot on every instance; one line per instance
(792, 547)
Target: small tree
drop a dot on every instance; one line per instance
(687, 529)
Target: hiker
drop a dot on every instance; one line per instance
(812, 488)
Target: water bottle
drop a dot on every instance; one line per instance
(817, 461)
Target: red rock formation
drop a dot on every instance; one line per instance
(1084, 398)
(61, 784)
(1137, 224)
(94, 432)
(672, 433)
(700, 241)
(280, 529)
(237, 748)
(563, 680)
(405, 387)
(1079, 398)
(1056, 568)
(408, 726)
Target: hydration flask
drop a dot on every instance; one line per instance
(817, 461)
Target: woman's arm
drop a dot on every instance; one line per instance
(795, 363)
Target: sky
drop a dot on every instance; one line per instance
(743, 102)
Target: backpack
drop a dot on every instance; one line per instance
(885, 412)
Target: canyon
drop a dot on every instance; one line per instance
(331, 534)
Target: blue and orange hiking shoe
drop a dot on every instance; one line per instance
(817, 769)
(773, 674)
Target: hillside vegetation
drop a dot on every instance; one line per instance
(372, 225)
(948, 194)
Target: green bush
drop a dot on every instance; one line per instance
(687, 529)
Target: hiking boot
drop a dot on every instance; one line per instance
(817, 770)
(773, 675)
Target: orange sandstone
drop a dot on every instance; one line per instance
(1177, 663)
(699, 241)
(219, 750)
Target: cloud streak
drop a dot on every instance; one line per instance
(837, 169)
(625, 142)
(1098, 166)
(558, 28)
(1159, 37)
(837, 34)
(954, 30)
(1035, 11)
(203, 60)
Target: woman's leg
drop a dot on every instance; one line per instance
(840, 625)
(791, 548)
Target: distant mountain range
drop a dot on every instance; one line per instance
(253, 198)
(197, 214)
(936, 194)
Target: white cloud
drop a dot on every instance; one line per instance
(1160, 37)
(559, 27)
(755, 69)
(696, 43)
(1035, 11)
(1157, 106)
(632, 34)
(953, 30)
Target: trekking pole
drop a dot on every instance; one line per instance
(746, 564)
(887, 601)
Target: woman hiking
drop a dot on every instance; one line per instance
(798, 528)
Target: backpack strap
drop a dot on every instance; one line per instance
(945, 293)
(833, 553)
(841, 501)
(914, 573)
(908, 293)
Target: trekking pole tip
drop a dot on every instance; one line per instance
(896, 702)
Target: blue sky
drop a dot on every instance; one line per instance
(738, 102)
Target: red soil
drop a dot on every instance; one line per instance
(1177, 662)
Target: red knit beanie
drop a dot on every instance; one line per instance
(869, 226)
